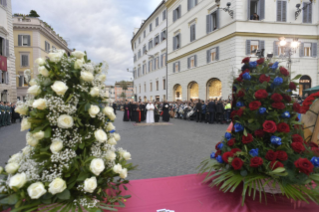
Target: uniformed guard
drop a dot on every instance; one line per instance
(8, 113)
(1, 113)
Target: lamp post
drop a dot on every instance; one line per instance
(133, 72)
(288, 50)
(298, 11)
(228, 10)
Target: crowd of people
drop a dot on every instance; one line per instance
(7, 114)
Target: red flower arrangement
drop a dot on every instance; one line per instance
(231, 142)
(276, 97)
(256, 162)
(241, 93)
(297, 138)
(278, 105)
(304, 165)
(286, 97)
(283, 127)
(246, 60)
(235, 150)
(255, 105)
(271, 155)
(270, 126)
(282, 155)
(264, 78)
(292, 86)
(296, 107)
(298, 147)
(261, 94)
(284, 71)
(227, 155)
(275, 164)
(259, 133)
(260, 61)
(237, 163)
(247, 139)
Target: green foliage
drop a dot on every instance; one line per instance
(33, 13)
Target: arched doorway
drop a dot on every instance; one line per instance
(192, 90)
(304, 83)
(213, 89)
(177, 92)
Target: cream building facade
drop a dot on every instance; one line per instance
(7, 57)
(33, 39)
(206, 45)
(149, 47)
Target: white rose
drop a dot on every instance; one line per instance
(15, 158)
(33, 82)
(38, 135)
(36, 190)
(102, 77)
(95, 91)
(117, 136)
(90, 184)
(18, 180)
(112, 117)
(65, 121)
(59, 88)
(57, 186)
(12, 168)
(100, 136)
(34, 90)
(94, 110)
(110, 155)
(108, 110)
(32, 141)
(117, 168)
(78, 54)
(127, 155)
(26, 150)
(87, 76)
(56, 146)
(112, 141)
(43, 71)
(1, 169)
(22, 109)
(123, 173)
(40, 61)
(40, 104)
(55, 57)
(110, 127)
(78, 64)
(97, 166)
(25, 124)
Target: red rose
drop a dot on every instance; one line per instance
(261, 61)
(297, 138)
(283, 127)
(296, 107)
(256, 162)
(218, 152)
(264, 78)
(216, 147)
(282, 155)
(286, 97)
(276, 97)
(284, 71)
(304, 165)
(259, 133)
(275, 164)
(237, 163)
(254, 105)
(226, 155)
(231, 142)
(235, 150)
(247, 139)
(233, 114)
(239, 79)
(298, 147)
(270, 126)
(261, 94)
(240, 112)
(246, 60)
(241, 93)
(292, 86)
(278, 105)
(313, 145)
(271, 155)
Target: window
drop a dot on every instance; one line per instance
(256, 10)
(253, 45)
(307, 13)
(134, 57)
(191, 4)
(150, 27)
(163, 35)
(139, 40)
(156, 63)
(176, 67)
(144, 33)
(156, 85)
(151, 86)
(139, 71)
(144, 69)
(139, 54)
(164, 84)
(150, 44)
(164, 15)
(150, 65)
(282, 10)
(47, 46)
(308, 50)
(3, 3)
(24, 40)
(24, 60)
(193, 32)
(163, 60)
(177, 13)
(144, 87)
(304, 83)
(177, 42)
(144, 49)
(4, 77)
(139, 88)
(156, 21)
(156, 40)
(192, 62)
(213, 54)
(4, 47)
(212, 21)
(134, 45)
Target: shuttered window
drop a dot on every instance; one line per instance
(282, 10)
(150, 44)
(307, 13)
(308, 49)
(3, 3)
(177, 42)
(164, 84)
(156, 21)
(163, 60)
(5, 47)
(24, 40)
(163, 35)
(192, 32)
(256, 10)
(139, 54)
(47, 46)
(156, 40)
(151, 28)
(144, 69)
(192, 62)
(212, 21)
(164, 15)
(24, 60)
(213, 54)
(253, 45)
(144, 33)
(144, 49)
(191, 4)
(177, 13)
(176, 67)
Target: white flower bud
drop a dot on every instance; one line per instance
(94, 110)
(90, 184)
(97, 166)
(18, 180)
(110, 155)
(12, 168)
(36, 190)
(57, 186)
(59, 88)
(43, 71)
(117, 168)
(65, 121)
(95, 91)
(40, 104)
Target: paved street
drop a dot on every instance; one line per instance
(159, 151)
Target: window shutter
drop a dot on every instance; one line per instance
(314, 49)
(174, 43)
(284, 11)
(149, 66)
(261, 45)
(179, 66)
(29, 40)
(195, 60)
(179, 41)
(189, 5)
(0, 77)
(275, 50)
(3, 47)
(174, 15)
(305, 14)
(194, 32)
(174, 67)
(262, 9)
(207, 23)
(301, 50)
(248, 10)
(196, 2)
(279, 10)
(287, 48)
(180, 11)
(7, 48)
(247, 47)
(21, 80)
(7, 77)
(191, 33)
(217, 53)
(218, 19)
(188, 63)
(208, 56)
(19, 40)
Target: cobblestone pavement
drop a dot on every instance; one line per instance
(159, 151)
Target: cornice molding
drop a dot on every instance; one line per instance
(169, 3)
(3, 30)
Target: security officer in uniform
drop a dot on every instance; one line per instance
(1, 113)
(8, 113)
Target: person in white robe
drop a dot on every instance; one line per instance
(150, 112)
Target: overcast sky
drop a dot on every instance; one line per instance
(103, 28)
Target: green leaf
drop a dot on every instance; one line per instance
(297, 77)
(243, 173)
(82, 176)
(47, 132)
(10, 200)
(65, 195)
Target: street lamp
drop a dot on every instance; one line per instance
(298, 11)
(152, 56)
(133, 72)
(290, 50)
(228, 10)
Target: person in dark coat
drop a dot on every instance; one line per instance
(130, 107)
(211, 111)
(138, 113)
(204, 112)
(165, 110)
(114, 107)
(126, 111)
(220, 111)
(157, 111)
(143, 111)
(198, 111)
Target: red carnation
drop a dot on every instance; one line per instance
(231, 142)
(264, 78)
(259, 133)
(233, 114)
(226, 155)
(237, 163)
(278, 105)
(275, 164)
(296, 107)
(247, 139)
(283, 127)
(239, 79)
(304, 165)
(271, 155)
(261, 94)
(270, 126)
(218, 152)
(292, 86)
(235, 150)
(297, 138)
(246, 60)
(254, 105)
(240, 112)
(216, 147)
(298, 147)
(276, 97)
(241, 93)
(282, 155)
(284, 71)
(256, 162)
(286, 97)
(261, 61)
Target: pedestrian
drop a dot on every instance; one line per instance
(114, 107)
(138, 115)
(1, 114)
(165, 110)
(143, 111)
(157, 111)
(198, 111)
(203, 112)
(126, 111)
(150, 113)
(220, 112)
(228, 111)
